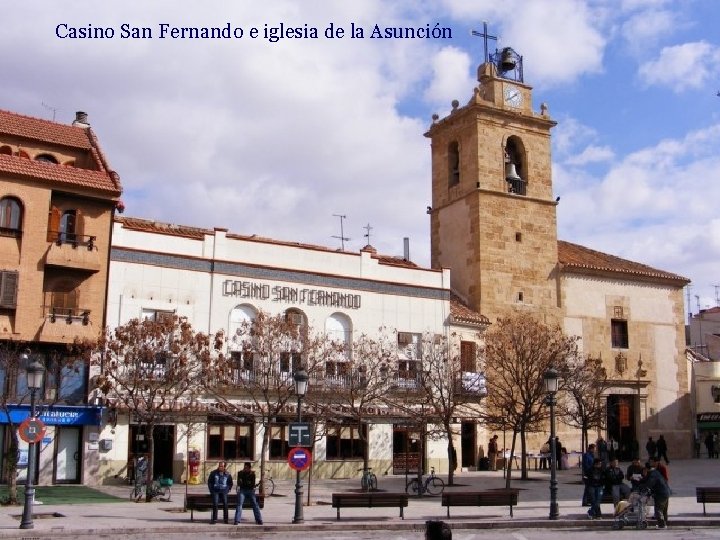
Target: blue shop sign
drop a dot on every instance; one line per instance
(55, 415)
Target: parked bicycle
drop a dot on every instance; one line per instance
(432, 485)
(157, 489)
(368, 480)
(268, 485)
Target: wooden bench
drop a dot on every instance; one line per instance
(203, 501)
(369, 500)
(493, 497)
(707, 495)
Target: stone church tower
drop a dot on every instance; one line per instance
(493, 215)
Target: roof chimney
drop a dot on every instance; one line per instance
(406, 248)
(81, 119)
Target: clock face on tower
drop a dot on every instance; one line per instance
(512, 95)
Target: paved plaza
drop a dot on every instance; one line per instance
(165, 519)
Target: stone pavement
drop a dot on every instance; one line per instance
(115, 520)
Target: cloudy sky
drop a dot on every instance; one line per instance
(277, 138)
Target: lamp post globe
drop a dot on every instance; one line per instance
(34, 372)
(551, 379)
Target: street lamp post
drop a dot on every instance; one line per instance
(301, 385)
(551, 386)
(34, 371)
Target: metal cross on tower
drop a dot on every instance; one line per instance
(484, 34)
(368, 228)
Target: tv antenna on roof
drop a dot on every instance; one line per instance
(53, 109)
(342, 236)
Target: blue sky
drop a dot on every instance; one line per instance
(275, 138)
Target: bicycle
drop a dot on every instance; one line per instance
(368, 480)
(158, 489)
(433, 485)
(268, 487)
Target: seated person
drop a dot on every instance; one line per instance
(635, 474)
(614, 477)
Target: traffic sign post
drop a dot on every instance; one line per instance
(32, 430)
(299, 459)
(300, 434)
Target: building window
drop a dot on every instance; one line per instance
(345, 442)
(279, 447)
(230, 441)
(47, 158)
(619, 331)
(10, 216)
(290, 362)
(65, 226)
(468, 356)
(158, 315)
(453, 164)
(8, 289)
(68, 376)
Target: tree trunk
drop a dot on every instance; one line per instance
(11, 461)
(508, 464)
(452, 458)
(523, 453)
(263, 451)
(149, 433)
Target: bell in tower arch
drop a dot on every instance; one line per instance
(510, 172)
(507, 59)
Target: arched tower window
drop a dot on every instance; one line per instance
(453, 164)
(47, 158)
(6, 150)
(10, 216)
(515, 166)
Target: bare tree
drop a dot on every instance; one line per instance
(582, 403)
(149, 369)
(256, 376)
(453, 386)
(62, 363)
(518, 351)
(355, 377)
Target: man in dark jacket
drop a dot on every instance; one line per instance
(662, 449)
(597, 484)
(588, 458)
(660, 491)
(615, 477)
(219, 483)
(635, 474)
(651, 447)
(246, 489)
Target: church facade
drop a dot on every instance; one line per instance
(493, 223)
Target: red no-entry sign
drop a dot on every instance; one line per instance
(299, 459)
(32, 430)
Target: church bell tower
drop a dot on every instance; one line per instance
(493, 214)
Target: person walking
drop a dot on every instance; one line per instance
(558, 454)
(635, 474)
(246, 490)
(602, 449)
(615, 477)
(651, 447)
(662, 449)
(219, 483)
(716, 445)
(709, 444)
(587, 465)
(660, 490)
(492, 453)
(597, 484)
(545, 455)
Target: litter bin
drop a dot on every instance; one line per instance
(437, 530)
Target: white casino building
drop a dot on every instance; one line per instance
(218, 279)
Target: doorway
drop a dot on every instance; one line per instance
(68, 454)
(163, 446)
(468, 444)
(621, 425)
(406, 449)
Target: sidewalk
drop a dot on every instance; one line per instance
(119, 519)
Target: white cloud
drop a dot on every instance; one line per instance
(591, 154)
(681, 67)
(450, 78)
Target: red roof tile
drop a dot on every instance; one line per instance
(580, 258)
(463, 314)
(43, 130)
(107, 182)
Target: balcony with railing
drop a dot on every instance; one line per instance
(518, 186)
(64, 324)
(73, 251)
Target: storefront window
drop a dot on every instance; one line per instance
(279, 439)
(230, 441)
(345, 442)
